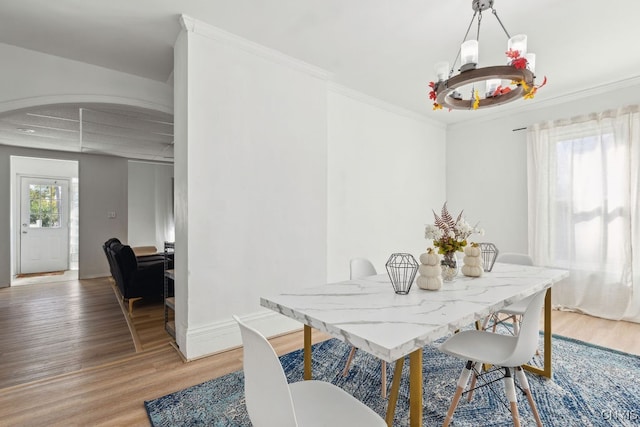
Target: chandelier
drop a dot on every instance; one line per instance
(475, 88)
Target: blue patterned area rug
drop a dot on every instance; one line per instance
(591, 386)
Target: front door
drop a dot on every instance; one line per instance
(44, 225)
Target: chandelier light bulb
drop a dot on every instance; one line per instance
(468, 55)
(519, 43)
(442, 70)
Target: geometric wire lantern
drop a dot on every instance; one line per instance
(402, 269)
(489, 255)
(475, 88)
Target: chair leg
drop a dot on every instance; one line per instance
(474, 379)
(346, 365)
(383, 379)
(510, 391)
(524, 383)
(462, 384)
(131, 301)
(485, 322)
(516, 325)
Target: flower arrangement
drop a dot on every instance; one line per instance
(450, 235)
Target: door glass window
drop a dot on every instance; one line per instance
(45, 205)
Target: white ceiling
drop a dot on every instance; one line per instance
(382, 48)
(115, 130)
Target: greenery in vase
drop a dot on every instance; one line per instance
(450, 235)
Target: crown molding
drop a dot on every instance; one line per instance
(192, 25)
(383, 105)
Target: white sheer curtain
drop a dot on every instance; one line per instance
(584, 212)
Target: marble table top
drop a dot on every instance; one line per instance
(368, 314)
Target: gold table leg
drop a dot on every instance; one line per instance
(415, 388)
(307, 352)
(395, 389)
(546, 368)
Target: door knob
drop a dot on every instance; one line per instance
(24, 232)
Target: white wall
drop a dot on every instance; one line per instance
(141, 204)
(251, 183)
(150, 212)
(487, 162)
(40, 79)
(280, 181)
(103, 188)
(165, 223)
(386, 173)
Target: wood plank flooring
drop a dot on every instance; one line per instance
(112, 393)
(56, 328)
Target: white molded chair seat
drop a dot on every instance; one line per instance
(505, 351)
(362, 267)
(490, 348)
(319, 403)
(271, 401)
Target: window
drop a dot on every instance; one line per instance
(45, 206)
(588, 210)
(584, 209)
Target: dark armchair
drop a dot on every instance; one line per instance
(136, 279)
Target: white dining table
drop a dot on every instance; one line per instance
(367, 314)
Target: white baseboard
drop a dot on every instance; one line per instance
(225, 334)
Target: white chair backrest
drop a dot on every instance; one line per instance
(529, 333)
(361, 267)
(266, 389)
(515, 258)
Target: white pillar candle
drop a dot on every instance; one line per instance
(469, 52)
(519, 43)
(442, 70)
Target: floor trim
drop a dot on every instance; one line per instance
(137, 343)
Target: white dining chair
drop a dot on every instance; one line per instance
(271, 401)
(506, 352)
(362, 267)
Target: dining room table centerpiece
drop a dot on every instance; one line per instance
(449, 235)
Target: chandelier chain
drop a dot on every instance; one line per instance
(495, 13)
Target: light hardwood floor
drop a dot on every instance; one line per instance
(98, 390)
